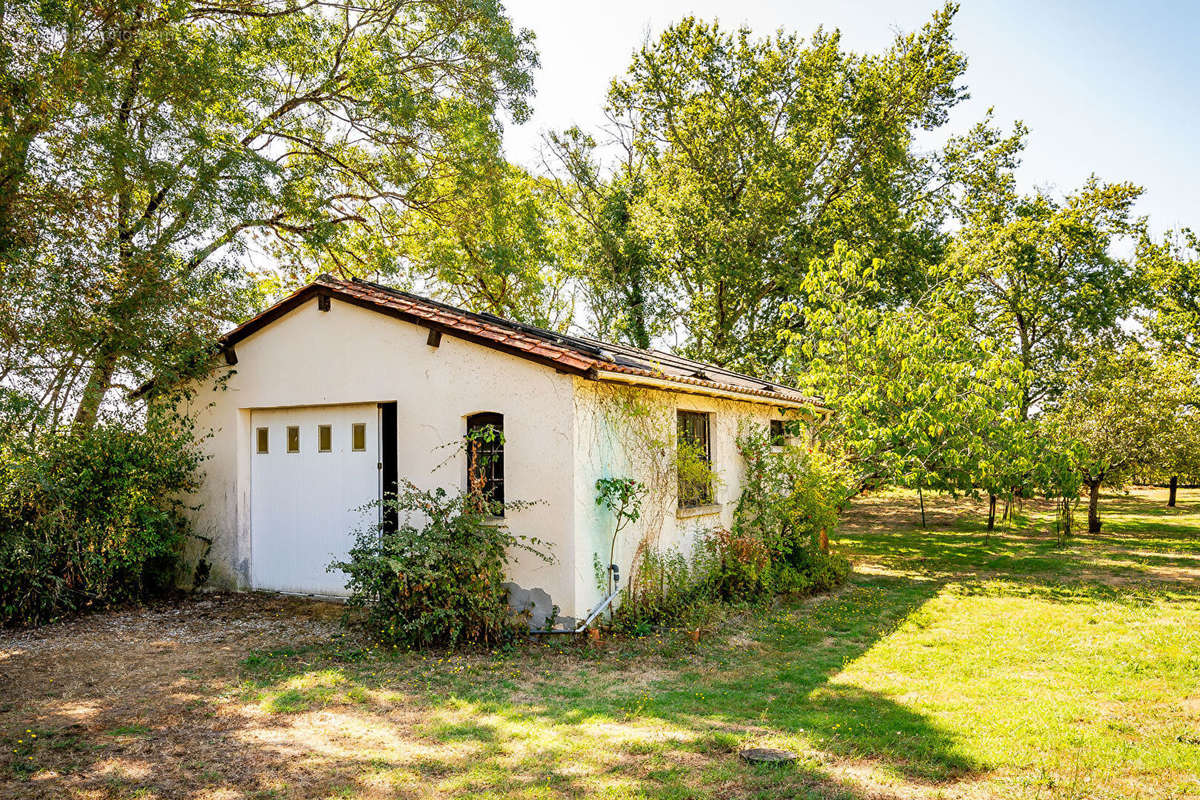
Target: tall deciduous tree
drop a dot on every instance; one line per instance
(501, 243)
(152, 141)
(1040, 275)
(758, 154)
(1171, 271)
(625, 287)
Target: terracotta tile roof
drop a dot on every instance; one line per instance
(575, 354)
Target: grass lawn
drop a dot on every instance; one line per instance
(947, 667)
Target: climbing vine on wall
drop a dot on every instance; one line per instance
(635, 433)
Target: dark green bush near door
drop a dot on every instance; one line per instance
(90, 518)
(438, 578)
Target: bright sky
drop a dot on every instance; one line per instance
(1105, 86)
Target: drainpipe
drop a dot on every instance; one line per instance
(596, 612)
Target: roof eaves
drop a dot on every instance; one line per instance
(568, 353)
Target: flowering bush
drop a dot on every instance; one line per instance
(741, 566)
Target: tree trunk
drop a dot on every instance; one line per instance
(1064, 520)
(1174, 487)
(94, 391)
(1093, 506)
(991, 513)
(921, 497)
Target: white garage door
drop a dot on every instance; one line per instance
(312, 470)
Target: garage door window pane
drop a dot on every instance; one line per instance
(263, 440)
(359, 436)
(293, 438)
(324, 438)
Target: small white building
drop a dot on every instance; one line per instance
(336, 391)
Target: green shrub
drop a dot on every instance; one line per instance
(741, 565)
(91, 518)
(790, 501)
(439, 577)
(668, 591)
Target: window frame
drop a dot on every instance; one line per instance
(777, 433)
(493, 488)
(262, 441)
(688, 426)
(357, 428)
(293, 429)
(324, 431)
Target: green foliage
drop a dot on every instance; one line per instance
(439, 577)
(1038, 276)
(789, 506)
(742, 158)
(1170, 270)
(625, 288)
(144, 148)
(788, 493)
(698, 481)
(623, 498)
(498, 243)
(1119, 408)
(89, 519)
(742, 568)
(918, 399)
(1121, 412)
(671, 592)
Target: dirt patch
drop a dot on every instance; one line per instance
(117, 696)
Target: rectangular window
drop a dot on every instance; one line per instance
(263, 440)
(778, 436)
(485, 459)
(358, 436)
(694, 460)
(324, 438)
(293, 439)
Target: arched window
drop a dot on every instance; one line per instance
(485, 458)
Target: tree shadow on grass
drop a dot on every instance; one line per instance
(631, 719)
(803, 696)
(561, 720)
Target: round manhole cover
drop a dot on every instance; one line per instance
(767, 755)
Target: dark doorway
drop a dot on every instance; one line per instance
(387, 463)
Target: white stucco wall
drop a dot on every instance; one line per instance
(352, 355)
(627, 431)
(562, 433)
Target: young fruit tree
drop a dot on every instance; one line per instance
(919, 401)
(1119, 411)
